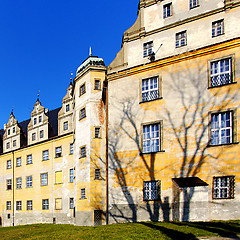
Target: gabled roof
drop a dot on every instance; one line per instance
(189, 182)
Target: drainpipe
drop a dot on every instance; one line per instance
(13, 188)
(107, 189)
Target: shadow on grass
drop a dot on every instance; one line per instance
(173, 234)
(228, 229)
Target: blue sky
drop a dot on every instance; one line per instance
(43, 41)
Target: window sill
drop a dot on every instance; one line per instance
(222, 145)
(194, 7)
(151, 100)
(218, 35)
(58, 157)
(150, 153)
(82, 198)
(222, 85)
(219, 199)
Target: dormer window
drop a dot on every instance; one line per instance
(147, 49)
(67, 108)
(41, 134)
(65, 126)
(9, 132)
(14, 143)
(33, 136)
(35, 121)
(40, 119)
(8, 145)
(14, 129)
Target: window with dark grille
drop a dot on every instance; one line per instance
(221, 72)
(29, 205)
(97, 174)
(221, 128)
(18, 205)
(150, 89)
(82, 89)
(151, 190)
(217, 28)
(97, 132)
(194, 3)
(98, 217)
(9, 184)
(45, 204)
(181, 39)
(151, 138)
(147, 49)
(58, 152)
(167, 10)
(83, 152)
(82, 113)
(223, 187)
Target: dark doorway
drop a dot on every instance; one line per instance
(0, 221)
(97, 217)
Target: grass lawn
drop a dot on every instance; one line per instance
(141, 230)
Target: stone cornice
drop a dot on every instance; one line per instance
(175, 59)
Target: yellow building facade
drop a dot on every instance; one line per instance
(153, 136)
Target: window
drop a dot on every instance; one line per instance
(29, 181)
(19, 183)
(217, 28)
(223, 187)
(45, 155)
(71, 203)
(147, 49)
(8, 145)
(67, 108)
(29, 159)
(97, 132)
(150, 89)
(167, 10)
(221, 72)
(9, 205)
(71, 175)
(221, 128)
(45, 204)
(9, 131)
(40, 119)
(82, 89)
(33, 136)
(82, 113)
(97, 174)
(18, 205)
(181, 39)
(58, 203)
(35, 121)
(82, 152)
(9, 164)
(29, 205)
(151, 138)
(9, 184)
(194, 3)
(58, 152)
(18, 162)
(65, 126)
(151, 190)
(14, 143)
(97, 84)
(14, 129)
(83, 193)
(44, 179)
(58, 177)
(41, 133)
(71, 148)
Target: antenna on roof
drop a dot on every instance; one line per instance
(12, 110)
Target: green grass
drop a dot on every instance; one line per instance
(141, 230)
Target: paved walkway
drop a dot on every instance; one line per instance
(219, 238)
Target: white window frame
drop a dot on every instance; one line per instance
(97, 174)
(71, 175)
(45, 204)
(44, 179)
(82, 89)
(223, 187)
(8, 145)
(67, 107)
(45, 155)
(193, 3)
(9, 164)
(218, 28)
(221, 125)
(8, 205)
(147, 48)
(221, 72)
(34, 137)
(150, 89)
(18, 162)
(167, 10)
(42, 134)
(58, 152)
(29, 205)
(97, 84)
(14, 143)
(151, 190)
(82, 113)
(151, 138)
(71, 203)
(83, 152)
(83, 193)
(71, 148)
(29, 159)
(18, 183)
(181, 39)
(18, 205)
(9, 184)
(29, 182)
(65, 126)
(97, 132)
